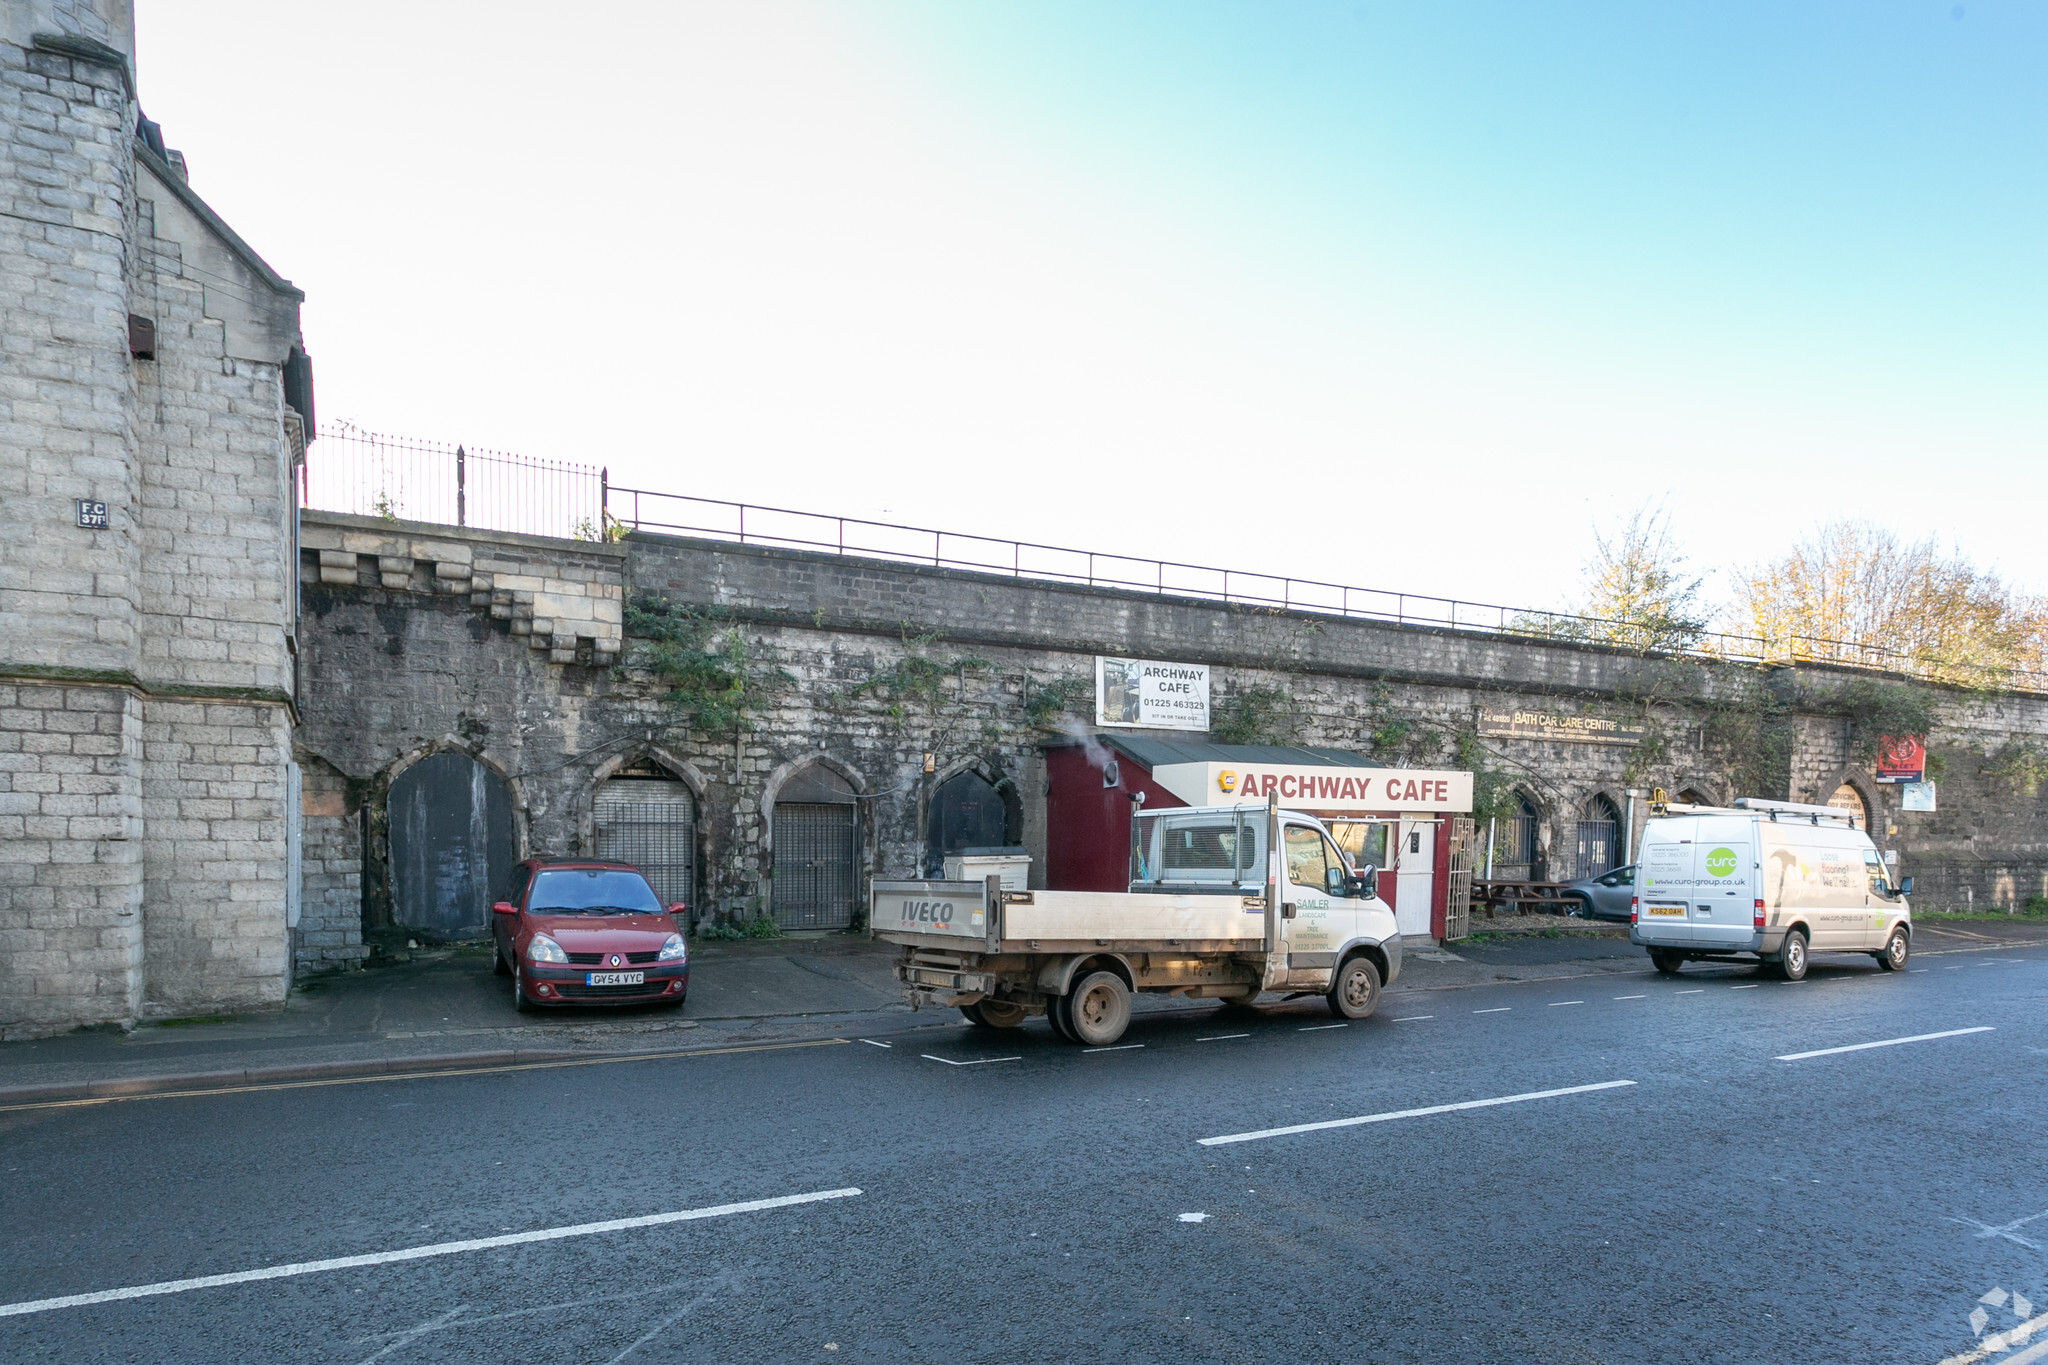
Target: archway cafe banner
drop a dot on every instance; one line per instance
(1318, 787)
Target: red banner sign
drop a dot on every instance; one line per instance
(1901, 758)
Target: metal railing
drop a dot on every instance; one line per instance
(351, 470)
(402, 479)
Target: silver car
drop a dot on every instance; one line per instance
(1606, 896)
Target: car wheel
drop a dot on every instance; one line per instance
(1667, 962)
(1355, 994)
(498, 964)
(1792, 957)
(997, 1013)
(1896, 951)
(519, 1000)
(1099, 1009)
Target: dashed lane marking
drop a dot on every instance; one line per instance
(872, 1043)
(1697, 990)
(1121, 1047)
(1222, 1037)
(279, 1272)
(1555, 1003)
(1749, 986)
(1263, 1133)
(1886, 1042)
(1497, 1009)
(1414, 1018)
(978, 1061)
(1631, 997)
(1318, 1028)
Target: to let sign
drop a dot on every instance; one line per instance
(1901, 758)
(92, 514)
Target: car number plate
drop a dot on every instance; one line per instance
(615, 978)
(1676, 910)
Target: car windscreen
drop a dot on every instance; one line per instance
(591, 891)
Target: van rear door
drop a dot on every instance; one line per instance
(1724, 871)
(1664, 886)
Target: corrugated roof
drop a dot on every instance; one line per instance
(1157, 753)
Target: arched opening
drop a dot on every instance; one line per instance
(1598, 847)
(1849, 799)
(452, 844)
(644, 815)
(815, 829)
(1693, 796)
(967, 812)
(1514, 841)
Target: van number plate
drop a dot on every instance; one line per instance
(1677, 911)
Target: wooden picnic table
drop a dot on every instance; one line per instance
(1526, 896)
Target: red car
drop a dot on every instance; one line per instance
(573, 932)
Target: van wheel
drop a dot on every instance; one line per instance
(1896, 951)
(1355, 994)
(1666, 961)
(1792, 957)
(994, 1014)
(1099, 1009)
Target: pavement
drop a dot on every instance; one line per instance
(443, 1008)
(1571, 1159)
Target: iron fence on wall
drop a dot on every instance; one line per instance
(372, 474)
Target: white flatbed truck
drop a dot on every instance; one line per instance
(1208, 914)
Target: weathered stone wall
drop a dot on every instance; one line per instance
(148, 664)
(886, 663)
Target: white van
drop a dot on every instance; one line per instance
(1772, 878)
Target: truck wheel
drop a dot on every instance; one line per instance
(1896, 951)
(1355, 994)
(993, 1014)
(1666, 962)
(1099, 1009)
(1792, 957)
(1056, 1015)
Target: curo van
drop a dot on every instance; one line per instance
(1770, 878)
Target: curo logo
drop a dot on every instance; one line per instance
(1721, 863)
(927, 912)
(1226, 781)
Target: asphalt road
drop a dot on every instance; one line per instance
(1023, 1200)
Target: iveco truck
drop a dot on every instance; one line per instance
(1210, 913)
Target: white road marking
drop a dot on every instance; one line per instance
(1917, 969)
(279, 1272)
(1631, 997)
(1750, 987)
(1314, 1028)
(1413, 1018)
(1697, 990)
(2006, 1230)
(978, 1061)
(1887, 1042)
(1194, 1218)
(1497, 1009)
(1998, 1341)
(1121, 1047)
(1555, 1003)
(1221, 1037)
(1408, 1113)
(872, 1043)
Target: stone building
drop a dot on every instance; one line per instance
(515, 678)
(154, 398)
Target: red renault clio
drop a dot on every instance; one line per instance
(571, 932)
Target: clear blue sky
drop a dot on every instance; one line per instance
(1400, 295)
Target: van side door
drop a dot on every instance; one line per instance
(1321, 921)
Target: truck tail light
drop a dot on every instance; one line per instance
(1759, 915)
(1632, 903)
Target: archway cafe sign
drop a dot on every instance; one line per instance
(1318, 787)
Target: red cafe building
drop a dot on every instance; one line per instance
(1397, 819)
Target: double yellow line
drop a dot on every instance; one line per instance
(90, 1100)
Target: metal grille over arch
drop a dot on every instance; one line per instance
(816, 833)
(1599, 840)
(966, 812)
(1514, 842)
(452, 844)
(644, 816)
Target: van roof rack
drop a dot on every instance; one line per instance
(1776, 808)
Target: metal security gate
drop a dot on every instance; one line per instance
(651, 824)
(1464, 833)
(817, 865)
(1514, 846)
(1599, 843)
(451, 844)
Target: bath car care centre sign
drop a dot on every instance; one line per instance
(1315, 787)
(1148, 695)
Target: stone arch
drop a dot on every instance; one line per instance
(1709, 789)
(1519, 842)
(816, 843)
(1866, 791)
(657, 828)
(451, 839)
(1598, 834)
(936, 809)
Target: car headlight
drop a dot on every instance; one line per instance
(545, 949)
(673, 949)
